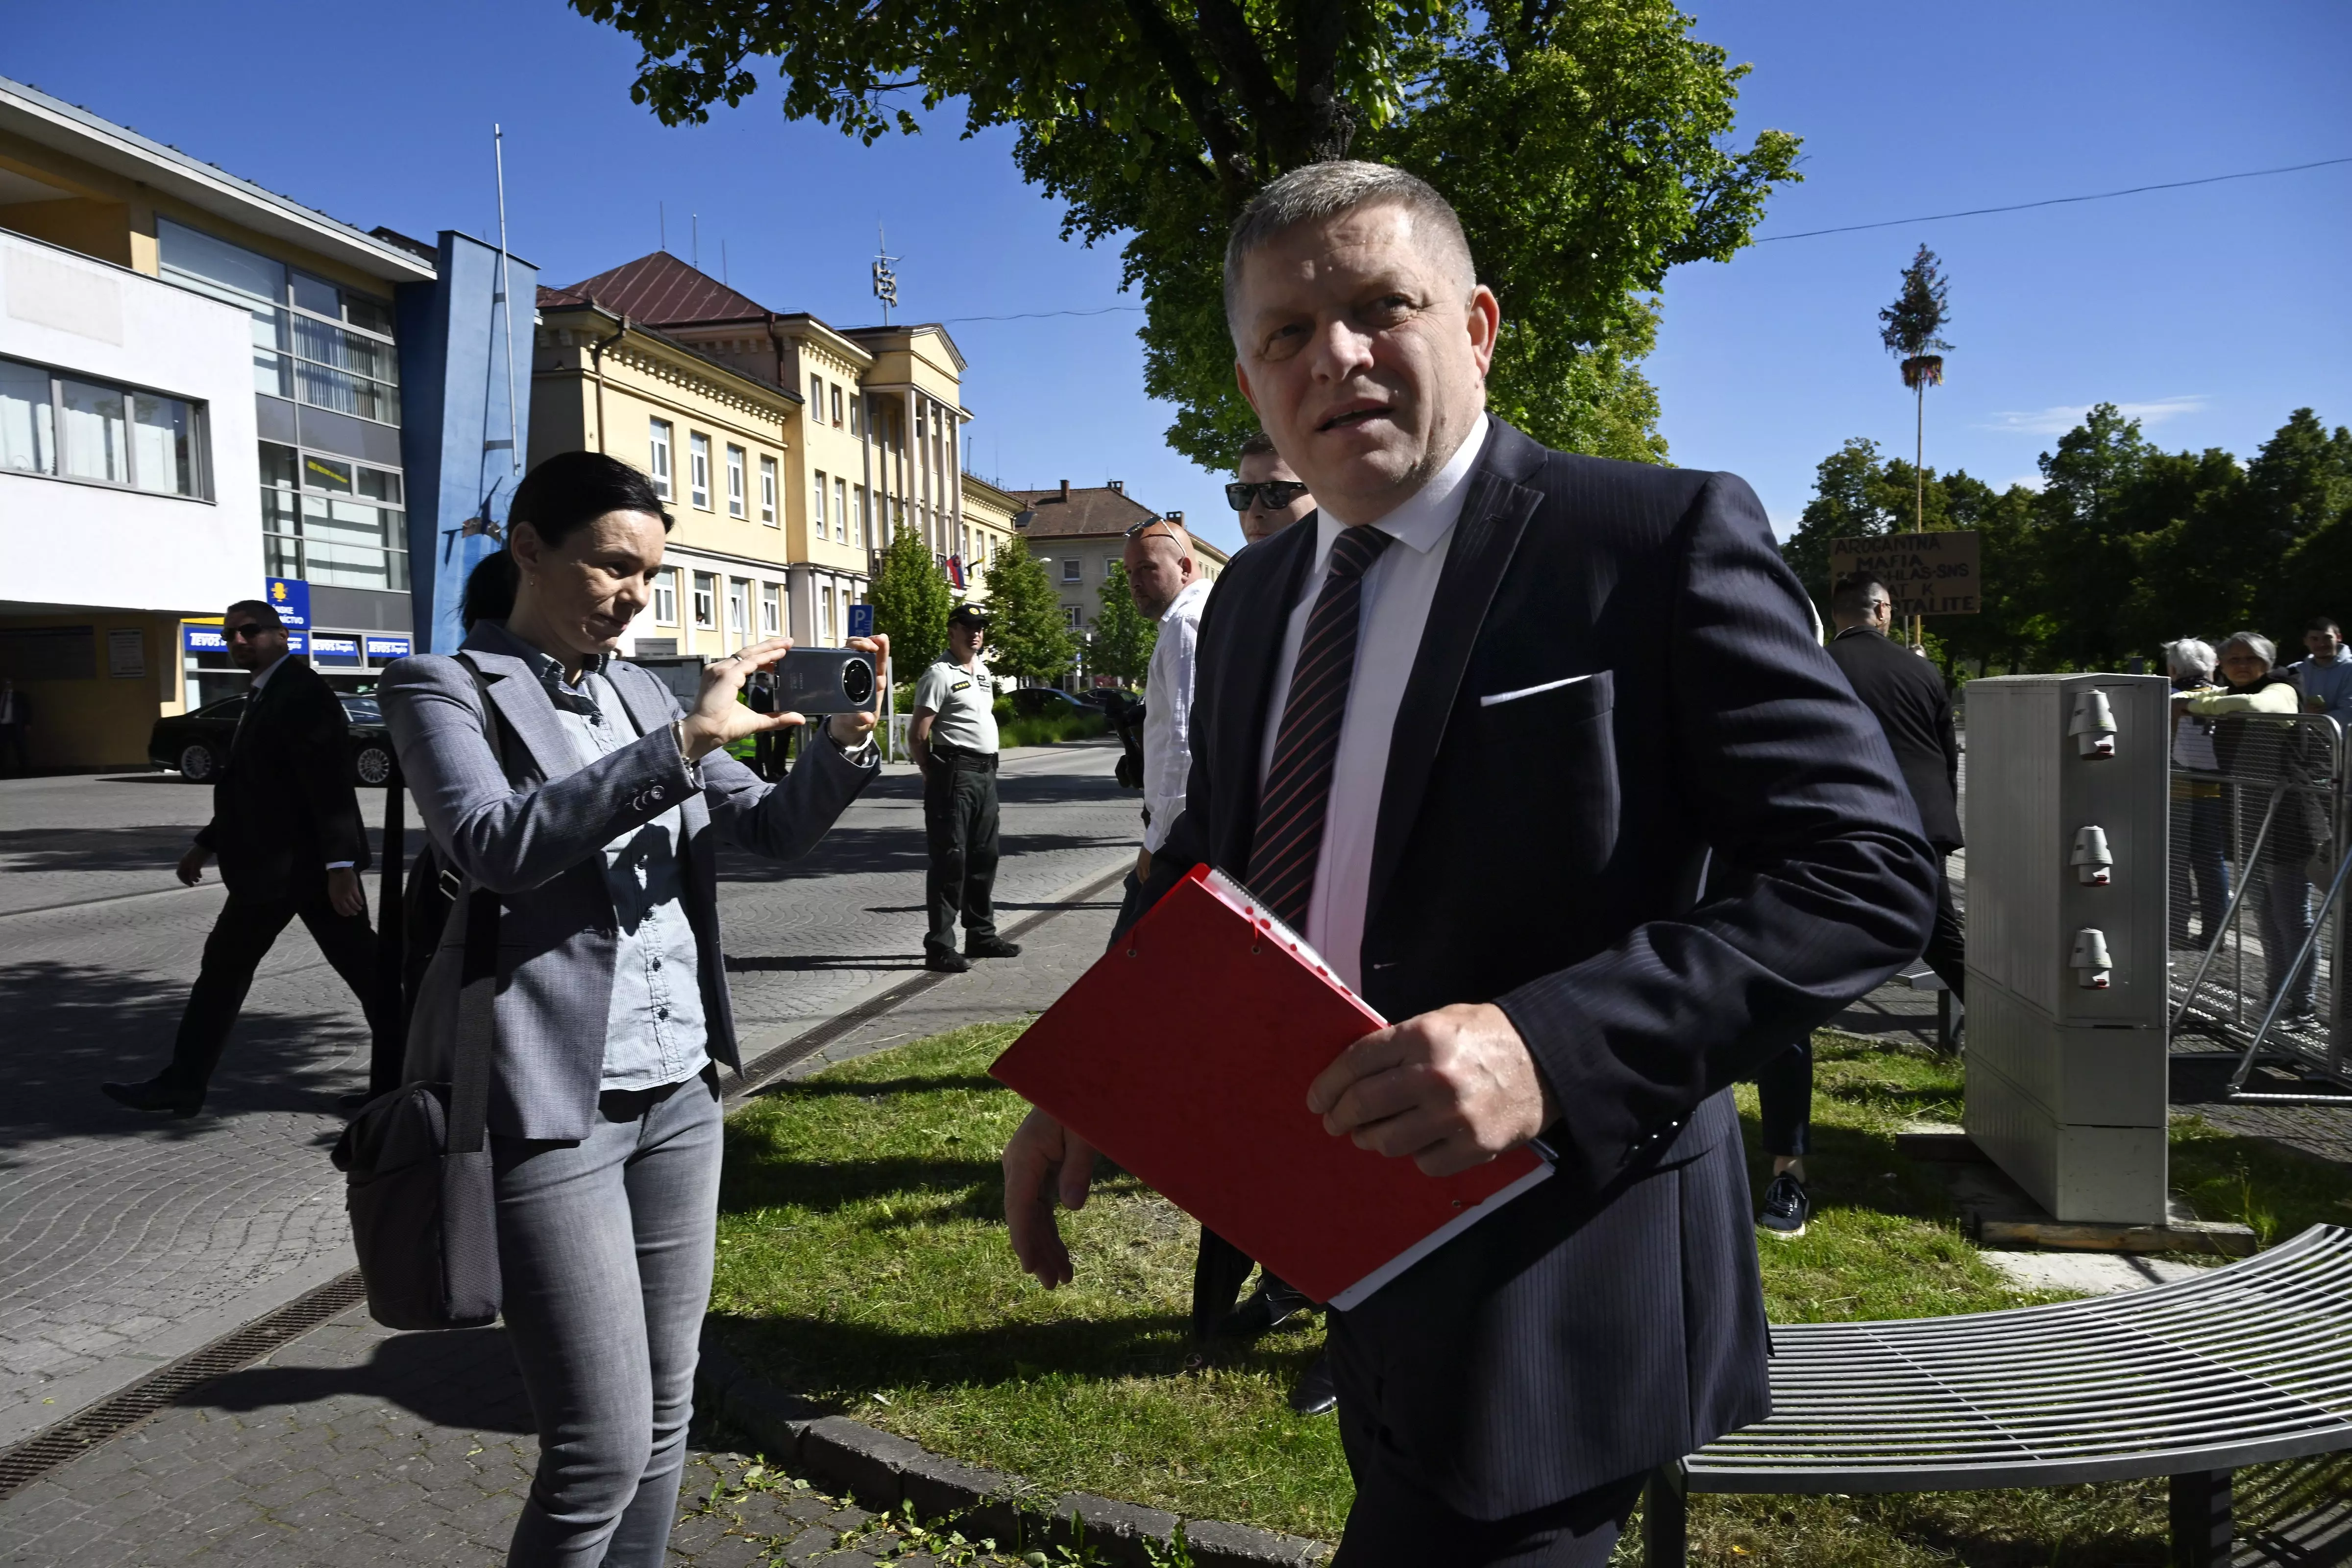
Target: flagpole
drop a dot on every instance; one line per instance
(514, 430)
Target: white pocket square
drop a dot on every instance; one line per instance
(1530, 691)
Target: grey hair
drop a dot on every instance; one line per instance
(1321, 191)
(2254, 640)
(2191, 658)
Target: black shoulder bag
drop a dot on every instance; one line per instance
(420, 1189)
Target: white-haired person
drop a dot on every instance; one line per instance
(2201, 878)
(2256, 740)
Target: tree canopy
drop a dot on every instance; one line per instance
(1909, 327)
(2123, 548)
(1028, 635)
(910, 602)
(1588, 147)
(1123, 637)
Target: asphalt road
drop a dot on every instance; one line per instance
(127, 1241)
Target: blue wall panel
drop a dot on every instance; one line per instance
(454, 431)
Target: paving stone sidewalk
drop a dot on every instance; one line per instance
(128, 1240)
(351, 1445)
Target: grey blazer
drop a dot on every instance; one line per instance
(531, 825)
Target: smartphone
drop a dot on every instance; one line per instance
(821, 681)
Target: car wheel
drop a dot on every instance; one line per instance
(372, 765)
(197, 763)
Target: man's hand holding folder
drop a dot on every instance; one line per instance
(1452, 1089)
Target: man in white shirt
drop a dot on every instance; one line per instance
(1164, 577)
(1475, 730)
(953, 738)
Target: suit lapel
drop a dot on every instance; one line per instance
(1494, 515)
(1258, 620)
(649, 701)
(515, 692)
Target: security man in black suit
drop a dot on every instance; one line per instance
(286, 825)
(1907, 695)
(1477, 726)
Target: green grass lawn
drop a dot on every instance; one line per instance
(862, 1259)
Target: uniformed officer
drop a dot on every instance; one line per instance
(953, 737)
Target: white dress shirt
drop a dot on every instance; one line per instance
(1398, 590)
(1168, 714)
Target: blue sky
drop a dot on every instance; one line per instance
(2214, 311)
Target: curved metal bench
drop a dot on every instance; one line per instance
(2245, 1364)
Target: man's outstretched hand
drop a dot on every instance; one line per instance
(1045, 1161)
(1452, 1088)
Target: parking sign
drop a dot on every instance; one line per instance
(861, 620)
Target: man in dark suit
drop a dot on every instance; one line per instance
(286, 825)
(1907, 697)
(1476, 727)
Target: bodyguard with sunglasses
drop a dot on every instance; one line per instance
(1267, 494)
(285, 826)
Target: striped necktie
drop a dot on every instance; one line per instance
(1299, 785)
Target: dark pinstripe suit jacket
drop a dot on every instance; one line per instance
(1541, 854)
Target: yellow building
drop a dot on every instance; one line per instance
(863, 426)
(988, 515)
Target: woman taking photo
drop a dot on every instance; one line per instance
(575, 788)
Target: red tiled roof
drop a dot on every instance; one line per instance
(661, 290)
(1089, 511)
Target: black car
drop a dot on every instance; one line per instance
(1040, 702)
(196, 744)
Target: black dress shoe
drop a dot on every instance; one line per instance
(154, 1095)
(990, 947)
(1271, 1305)
(1315, 1395)
(946, 960)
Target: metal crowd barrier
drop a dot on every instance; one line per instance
(2255, 894)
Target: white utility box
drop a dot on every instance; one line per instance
(2066, 824)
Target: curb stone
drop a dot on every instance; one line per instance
(882, 1470)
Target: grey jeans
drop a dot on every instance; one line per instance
(606, 1247)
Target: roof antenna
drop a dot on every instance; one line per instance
(663, 208)
(885, 282)
(696, 218)
(722, 265)
(506, 301)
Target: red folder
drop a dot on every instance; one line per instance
(1184, 1054)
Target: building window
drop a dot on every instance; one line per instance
(816, 513)
(697, 452)
(658, 465)
(768, 491)
(837, 407)
(816, 397)
(705, 598)
(665, 596)
(825, 614)
(312, 339)
(772, 610)
(1073, 572)
(103, 433)
(1110, 564)
(862, 515)
(856, 416)
(738, 610)
(841, 516)
(1070, 616)
(329, 520)
(734, 481)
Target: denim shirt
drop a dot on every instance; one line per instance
(2330, 681)
(653, 1031)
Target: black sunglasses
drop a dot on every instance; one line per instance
(245, 629)
(1276, 493)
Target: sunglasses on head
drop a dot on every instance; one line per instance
(1139, 529)
(1275, 493)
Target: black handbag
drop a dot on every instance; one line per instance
(420, 1187)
